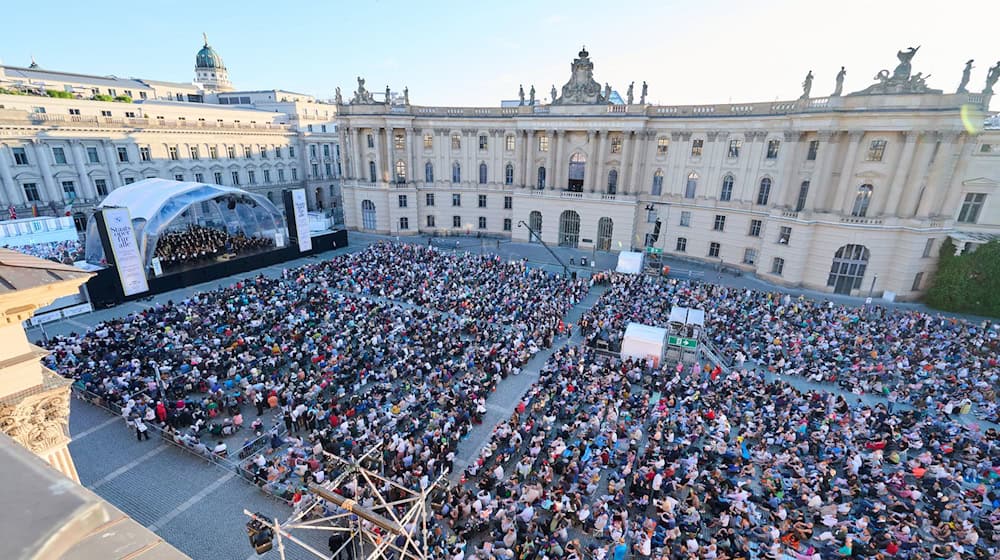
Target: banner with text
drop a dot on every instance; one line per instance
(125, 250)
(300, 213)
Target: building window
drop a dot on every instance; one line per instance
(541, 177)
(772, 148)
(58, 155)
(231, 152)
(506, 224)
(482, 222)
(482, 201)
(200, 177)
(194, 152)
(371, 141)
(777, 266)
(218, 177)
(971, 207)
(404, 223)
(755, 226)
(720, 223)
(785, 235)
(456, 221)
(876, 150)
(714, 249)
(328, 169)
(616, 144)
(692, 185)
(430, 221)
(429, 199)
(295, 174)
(122, 154)
(928, 247)
(508, 143)
(803, 195)
(263, 151)
(69, 191)
(685, 218)
(848, 268)
(482, 173)
(917, 280)
(236, 177)
(277, 152)
(172, 150)
(291, 151)
(456, 142)
(179, 177)
(20, 156)
(734, 148)
(402, 200)
(662, 144)
(77, 112)
(727, 188)
(764, 192)
(456, 200)
(398, 143)
(456, 173)
(248, 152)
(697, 145)
(543, 143)
(315, 170)
(508, 202)
(281, 175)
(428, 141)
(400, 171)
(31, 192)
(749, 256)
(105, 113)
(483, 142)
(508, 174)
(92, 156)
(983, 149)
(372, 174)
(129, 180)
(682, 245)
(613, 181)
(861, 201)
(813, 150)
(429, 172)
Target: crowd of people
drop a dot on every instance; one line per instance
(65, 252)
(911, 357)
(605, 459)
(199, 245)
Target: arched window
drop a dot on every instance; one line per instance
(368, 214)
(482, 173)
(429, 172)
(456, 173)
(569, 229)
(605, 229)
(535, 223)
(727, 188)
(541, 177)
(803, 195)
(400, 171)
(848, 269)
(613, 181)
(764, 192)
(692, 185)
(862, 200)
(508, 174)
(657, 183)
(577, 171)
(372, 176)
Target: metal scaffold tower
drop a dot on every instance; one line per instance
(371, 516)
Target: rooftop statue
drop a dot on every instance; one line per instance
(899, 81)
(339, 97)
(807, 85)
(362, 95)
(554, 95)
(531, 95)
(631, 88)
(645, 91)
(581, 89)
(520, 95)
(840, 83)
(991, 78)
(965, 78)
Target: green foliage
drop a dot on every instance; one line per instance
(6, 91)
(59, 94)
(968, 283)
(102, 97)
(123, 99)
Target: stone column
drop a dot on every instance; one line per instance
(112, 155)
(415, 144)
(15, 195)
(818, 186)
(944, 167)
(407, 138)
(358, 166)
(952, 191)
(443, 172)
(376, 137)
(562, 164)
(916, 179)
(643, 178)
(550, 174)
(390, 156)
(79, 157)
(676, 157)
(624, 180)
(527, 148)
(845, 193)
(716, 151)
(787, 191)
(883, 201)
(598, 178)
(38, 155)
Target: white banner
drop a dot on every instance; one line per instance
(157, 266)
(300, 209)
(125, 250)
(279, 239)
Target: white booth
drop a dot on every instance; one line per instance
(629, 262)
(644, 342)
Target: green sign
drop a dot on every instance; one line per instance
(687, 343)
(654, 250)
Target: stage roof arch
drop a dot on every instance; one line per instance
(157, 204)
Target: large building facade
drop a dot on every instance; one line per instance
(826, 193)
(66, 140)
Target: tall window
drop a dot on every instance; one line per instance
(692, 185)
(368, 217)
(876, 150)
(714, 249)
(764, 192)
(218, 177)
(456, 200)
(236, 177)
(507, 223)
(31, 192)
(482, 174)
(657, 183)
(101, 186)
(92, 156)
(750, 256)
(122, 154)
(772, 148)
(400, 171)
(685, 218)
(483, 142)
(482, 201)
(508, 202)
(720, 223)
(917, 280)
(861, 201)
(252, 177)
(543, 143)
(456, 221)
(613, 181)
(193, 150)
(682, 245)
(727, 189)
(803, 195)
(734, 148)
(144, 154)
(508, 174)
(404, 223)
(430, 220)
(616, 144)
(429, 199)
(69, 191)
(372, 174)
(482, 222)
(231, 152)
(813, 150)
(429, 172)
(971, 207)
(172, 151)
(248, 152)
(58, 155)
(456, 142)
(403, 200)
(777, 266)
(697, 145)
(371, 141)
(849, 265)
(456, 173)
(755, 226)
(662, 144)
(785, 235)
(428, 141)
(508, 143)
(541, 177)
(398, 143)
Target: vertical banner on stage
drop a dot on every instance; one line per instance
(122, 250)
(297, 217)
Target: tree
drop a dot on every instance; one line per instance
(968, 283)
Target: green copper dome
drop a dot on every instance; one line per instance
(208, 58)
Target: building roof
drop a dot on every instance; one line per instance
(23, 272)
(38, 76)
(61, 519)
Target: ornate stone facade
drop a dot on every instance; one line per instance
(39, 422)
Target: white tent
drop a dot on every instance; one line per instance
(629, 262)
(644, 342)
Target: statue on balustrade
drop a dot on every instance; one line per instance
(630, 95)
(966, 74)
(531, 96)
(581, 89)
(338, 97)
(900, 81)
(991, 78)
(554, 94)
(520, 96)
(362, 95)
(406, 95)
(840, 83)
(388, 95)
(645, 91)
(607, 92)
(807, 85)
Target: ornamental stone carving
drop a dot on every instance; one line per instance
(362, 96)
(900, 81)
(581, 89)
(39, 422)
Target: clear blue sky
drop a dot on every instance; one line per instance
(476, 53)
